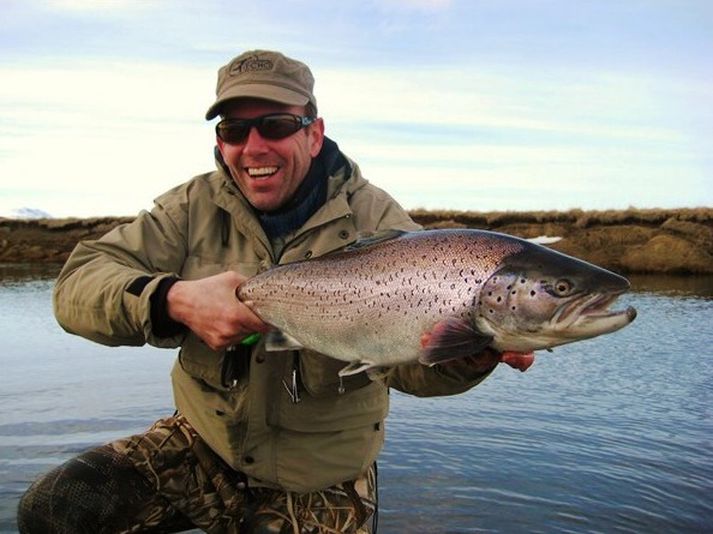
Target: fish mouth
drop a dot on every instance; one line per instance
(590, 315)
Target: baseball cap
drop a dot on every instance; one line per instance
(263, 74)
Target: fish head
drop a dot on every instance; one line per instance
(540, 298)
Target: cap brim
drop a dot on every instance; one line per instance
(255, 90)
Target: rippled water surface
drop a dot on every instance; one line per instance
(613, 434)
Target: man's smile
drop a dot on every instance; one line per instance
(261, 172)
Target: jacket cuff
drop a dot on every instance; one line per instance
(162, 324)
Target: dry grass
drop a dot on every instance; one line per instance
(580, 218)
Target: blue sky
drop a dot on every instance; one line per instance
(473, 105)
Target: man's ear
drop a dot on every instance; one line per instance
(315, 132)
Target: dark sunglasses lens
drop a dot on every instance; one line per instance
(278, 126)
(232, 131)
(270, 127)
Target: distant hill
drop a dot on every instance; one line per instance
(674, 241)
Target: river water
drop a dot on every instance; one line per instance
(613, 434)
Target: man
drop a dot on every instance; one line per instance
(260, 441)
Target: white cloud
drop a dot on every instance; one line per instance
(91, 136)
(607, 106)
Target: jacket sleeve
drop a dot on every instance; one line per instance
(423, 381)
(104, 290)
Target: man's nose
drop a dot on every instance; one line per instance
(255, 143)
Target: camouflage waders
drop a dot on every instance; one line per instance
(184, 485)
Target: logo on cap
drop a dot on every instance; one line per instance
(251, 64)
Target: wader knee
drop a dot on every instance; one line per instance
(96, 491)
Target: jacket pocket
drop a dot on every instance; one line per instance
(361, 408)
(199, 361)
(320, 375)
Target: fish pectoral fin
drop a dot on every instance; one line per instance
(356, 367)
(276, 340)
(367, 239)
(451, 339)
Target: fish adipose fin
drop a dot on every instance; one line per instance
(276, 340)
(368, 239)
(356, 367)
(451, 339)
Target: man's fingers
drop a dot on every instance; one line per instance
(250, 320)
(518, 360)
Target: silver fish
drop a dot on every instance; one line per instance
(465, 289)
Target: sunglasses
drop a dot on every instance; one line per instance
(272, 126)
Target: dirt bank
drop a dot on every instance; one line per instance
(676, 241)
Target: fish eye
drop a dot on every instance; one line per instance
(563, 287)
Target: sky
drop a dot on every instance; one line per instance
(447, 104)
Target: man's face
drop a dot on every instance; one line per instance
(269, 171)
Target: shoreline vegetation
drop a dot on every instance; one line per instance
(662, 241)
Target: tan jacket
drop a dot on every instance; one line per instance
(336, 430)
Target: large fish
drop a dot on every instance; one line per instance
(465, 290)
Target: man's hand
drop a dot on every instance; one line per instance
(518, 360)
(211, 310)
(488, 359)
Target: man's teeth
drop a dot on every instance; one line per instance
(258, 172)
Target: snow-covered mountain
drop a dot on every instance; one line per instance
(25, 213)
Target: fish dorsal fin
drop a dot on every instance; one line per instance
(356, 367)
(451, 339)
(276, 340)
(367, 239)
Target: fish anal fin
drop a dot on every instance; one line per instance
(276, 340)
(451, 339)
(356, 367)
(379, 373)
